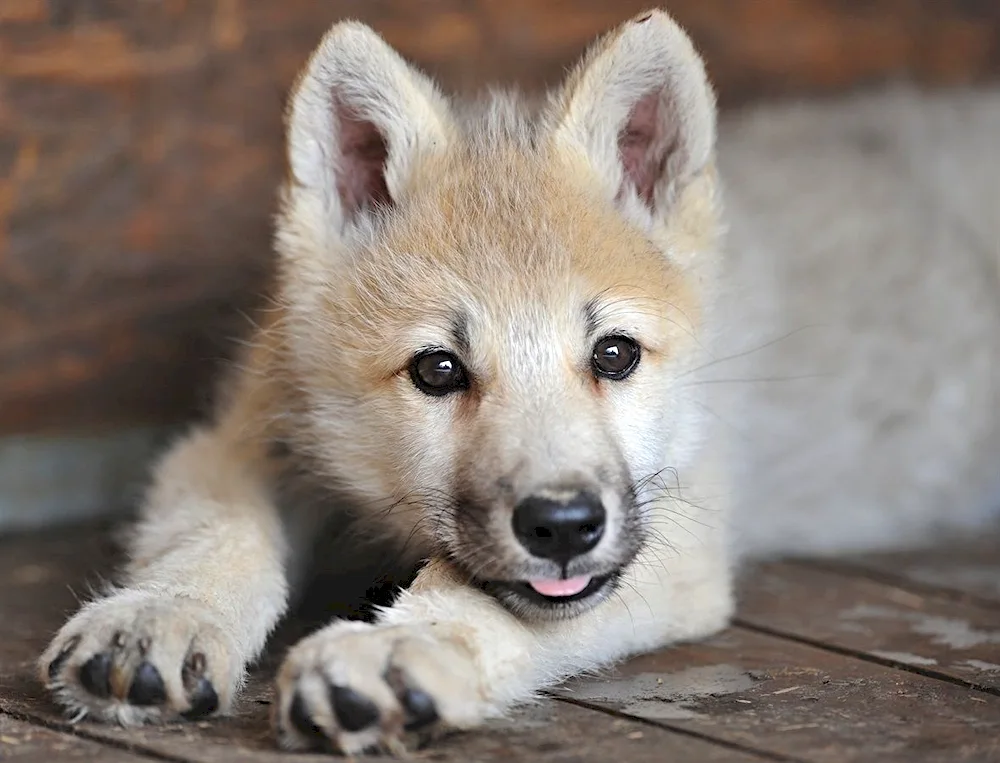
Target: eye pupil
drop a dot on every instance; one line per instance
(615, 357)
(438, 373)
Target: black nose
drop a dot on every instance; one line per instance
(559, 530)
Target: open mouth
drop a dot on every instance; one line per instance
(554, 593)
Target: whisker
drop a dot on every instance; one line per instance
(750, 351)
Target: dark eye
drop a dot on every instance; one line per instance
(438, 373)
(615, 357)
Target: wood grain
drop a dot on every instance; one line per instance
(742, 696)
(799, 702)
(962, 571)
(22, 742)
(929, 633)
(140, 147)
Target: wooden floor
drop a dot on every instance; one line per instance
(894, 658)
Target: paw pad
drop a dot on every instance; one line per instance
(354, 710)
(147, 686)
(303, 722)
(95, 675)
(138, 659)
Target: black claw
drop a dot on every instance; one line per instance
(302, 721)
(95, 675)
(194, 666)
(56, 665)
(354, 710)
(204, 700)
(147, 686)
(420, 709)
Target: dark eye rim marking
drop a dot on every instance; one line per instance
(635, 355)
(418, 369)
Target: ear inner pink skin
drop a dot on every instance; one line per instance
(644, 146)
(554, 588)
(363, 152)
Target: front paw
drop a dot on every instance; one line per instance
(137, 658)
(357, 687)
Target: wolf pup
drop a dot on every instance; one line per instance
(486, 322)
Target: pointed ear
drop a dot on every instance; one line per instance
(358, 116)
(639, 105)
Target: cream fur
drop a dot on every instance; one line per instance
(513, 217)
(867, 287)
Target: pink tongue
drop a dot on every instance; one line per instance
(569, 587)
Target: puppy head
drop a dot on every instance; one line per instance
(491, 309)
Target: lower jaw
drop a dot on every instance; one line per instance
(526, 595)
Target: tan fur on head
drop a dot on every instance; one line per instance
(510, 221)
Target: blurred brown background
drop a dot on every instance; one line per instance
(140, 150)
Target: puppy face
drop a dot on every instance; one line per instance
(490, 328)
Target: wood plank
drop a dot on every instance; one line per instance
(27, 743)
(133, 242)
(758, 48)
(799, 702)
(135, 234)
(36, 576)
(960, 641)
(757, 694)
(965, 571)
(551, 731)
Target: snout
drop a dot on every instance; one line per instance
(559, 527)
(549, 551)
